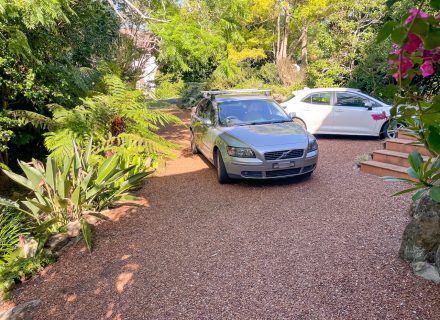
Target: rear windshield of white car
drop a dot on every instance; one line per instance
(250, 112)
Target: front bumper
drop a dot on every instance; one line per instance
(257, 168)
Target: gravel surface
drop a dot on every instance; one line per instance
(324, 248)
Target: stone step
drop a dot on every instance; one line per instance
(393, 157)
(406, 134)
(384, 169)
(405, 146)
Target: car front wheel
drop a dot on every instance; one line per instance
(222, 174)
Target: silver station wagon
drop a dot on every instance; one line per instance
(247, 135)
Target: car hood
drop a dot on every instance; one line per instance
(268, 134)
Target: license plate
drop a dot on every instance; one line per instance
(283, 165)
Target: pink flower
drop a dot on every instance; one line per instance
(438, 17)
(379, 116)
(413, 43)
(433, 55)
(404, 64)
(414, 13)
(427, 68)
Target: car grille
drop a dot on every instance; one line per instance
(281, 173)
(284, 154)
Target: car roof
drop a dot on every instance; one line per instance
(223, 98)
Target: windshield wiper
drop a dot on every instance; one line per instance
(262, 122)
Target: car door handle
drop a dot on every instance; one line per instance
(339, 110)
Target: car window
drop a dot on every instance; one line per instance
(252, 111)
(202, 109)
(350, 99)
(210, 112)
(321, 98)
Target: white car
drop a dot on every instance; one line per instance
(340, 111)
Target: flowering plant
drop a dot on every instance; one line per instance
(415, 56)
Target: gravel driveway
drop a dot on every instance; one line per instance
(325, 248)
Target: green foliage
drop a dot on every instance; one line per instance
(12, 224)
(169, 86)
(74, 189)
(269, 73)
(416, 105)
(20, 269)
(191, 94)
(425, 173)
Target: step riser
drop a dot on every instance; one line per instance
(406, 148)
(398, 161)
(382, 172)
(403, 135)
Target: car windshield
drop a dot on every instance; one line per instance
(250, 112)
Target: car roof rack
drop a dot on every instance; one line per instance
(210, 94)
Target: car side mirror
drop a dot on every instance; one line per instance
(369, 105)
(292, 115)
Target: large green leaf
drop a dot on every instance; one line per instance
(20, 179)
(399, 35)
(51, 172)
(106, 168)
(87, 234)
(435, 193)
(33, 175)
(415, 160)
(76, 196)
(433, 139)
(386, 30)
(435, 4)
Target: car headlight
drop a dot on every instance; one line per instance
(313, 144)
(241, 152)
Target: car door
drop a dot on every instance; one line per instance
(198, 119)
(209, 130)
(353, 114)
(316, 111)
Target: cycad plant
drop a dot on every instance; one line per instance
(74, 189)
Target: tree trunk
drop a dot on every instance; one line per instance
(304, 40)
(282, 35)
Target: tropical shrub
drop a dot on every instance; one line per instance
(416, 56)
(75, 189)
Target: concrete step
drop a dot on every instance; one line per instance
(405, 146)
(393, 157)
(382, 169)
(406, 134)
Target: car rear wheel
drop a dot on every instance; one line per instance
(222, 174)
(194, 149)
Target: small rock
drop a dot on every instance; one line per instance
(57, 242)
(426, 271)
(28, 246)
(73, 229)
(23, 311)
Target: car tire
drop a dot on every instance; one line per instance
(307, 175)
(194, 149)
(222, 174)
(387, 133)
(299, 122)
